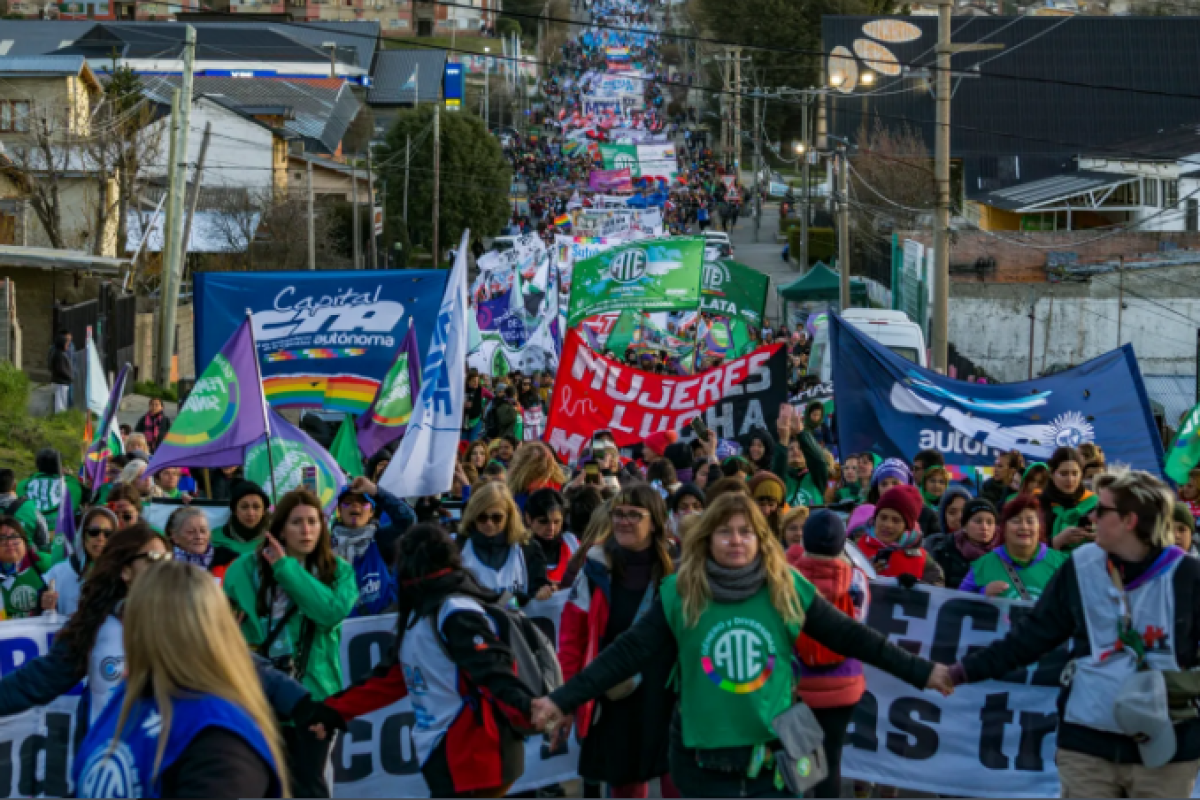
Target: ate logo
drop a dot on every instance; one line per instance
(628, 266)
(738, 655)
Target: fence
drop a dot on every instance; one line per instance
(110, 318)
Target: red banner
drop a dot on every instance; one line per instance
(594, 393)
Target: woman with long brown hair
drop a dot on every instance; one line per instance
(533, 467)
(190, 700)
(291, 596)
(496, 547)
(624, 731)
(730, 620)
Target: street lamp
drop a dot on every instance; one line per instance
(837, 79)
(487, 91)
(867, 79)
(801, 147)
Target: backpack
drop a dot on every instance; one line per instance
(491, 425)
(534, 658)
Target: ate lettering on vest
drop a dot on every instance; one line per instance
(512, 577)
(432, 678)
(128, 770)
(1098, 677)
(21, 593)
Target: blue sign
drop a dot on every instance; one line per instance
(894, 408)
(324, 339)
(452, 84)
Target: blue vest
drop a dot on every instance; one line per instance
(376, 584)
(128, 770)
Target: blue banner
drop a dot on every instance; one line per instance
(324, 339)
(892, 407)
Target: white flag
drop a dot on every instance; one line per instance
(424, 464)
(97, 384)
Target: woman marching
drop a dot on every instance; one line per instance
(496, 547)
(734, 595)
(544, 517)
(96, 528)
(624, 732)
(1066, 501)
(248, 521)
(190, 702)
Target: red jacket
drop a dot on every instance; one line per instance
(892, 562)
(581, 628)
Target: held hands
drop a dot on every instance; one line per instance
(940, 680)
(273, 550)
(545, 715)
(544, 593)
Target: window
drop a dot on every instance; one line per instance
(1150, 192)
(6, 117)
(1170, 194)
(21, 111)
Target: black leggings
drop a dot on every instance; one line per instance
(834, 722)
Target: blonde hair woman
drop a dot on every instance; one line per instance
(496, 548)
(533, 467)
(191, 696)
(730, 619)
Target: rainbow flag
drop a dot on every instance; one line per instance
(562, 220)
(349, 393)
(317, 353)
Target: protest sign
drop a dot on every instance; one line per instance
(594, 393)
(650, 275)
(614, 180)
(895, 408)
(731, 289)
(323, 338)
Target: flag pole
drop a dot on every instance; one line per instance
(262, 396)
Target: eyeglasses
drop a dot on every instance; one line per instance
(95, 531)
(729, 536)
(629, 516)
(495, 519)
(154, 556)
(10, 538)
(1102, 509)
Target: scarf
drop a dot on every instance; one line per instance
(737, 584)
(352, 543)
(969, 548)
(934, 501)
(1067, 510)
(203, 560)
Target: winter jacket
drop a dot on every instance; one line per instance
(322, 607)
(945, 552)
(480, 750)
(805, 487)
(155, 428)
(1058, 617)
(400, 517)
(62, 370)
(892, 562)
(845, 587)
(1035, 580)
(43, 489)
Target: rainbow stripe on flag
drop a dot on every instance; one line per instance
(349, 393)
(562, 220)
(317, 353)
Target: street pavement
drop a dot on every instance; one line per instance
(764, 255)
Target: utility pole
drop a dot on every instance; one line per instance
(757, 165)
(804, 189)
(941, 217)
(173, 266)
(737, 112)
(843, 198)
(437, 177)
(407, 157)
(356, 224)
(1120, 296)
(312, 222)
(187, 227)
(371, 206)
(725, 111)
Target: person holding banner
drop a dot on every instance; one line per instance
(730, 619)
(496, 548)
(624, 732)
(1022, 565)
(1129, 603)
(448, 658)
(191, 719)
(292, 595)
(21, 581)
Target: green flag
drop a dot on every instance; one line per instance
(345, 448)
(645, 276)
(1184, 454)
(625, 333)
(739, 337)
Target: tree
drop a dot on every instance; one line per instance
(264, 229)
(475, 178)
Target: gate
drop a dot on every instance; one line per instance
(112, 318)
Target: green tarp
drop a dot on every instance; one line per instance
(822, 283)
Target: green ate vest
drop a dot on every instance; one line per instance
(990, 568)
(45, 491)
(21, 593)
(803, 492)
(222, 538)
(735, 667)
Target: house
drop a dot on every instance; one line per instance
(329, 178)
(52, 191)
(1025, 112)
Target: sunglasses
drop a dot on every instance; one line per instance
(93, 532)
(154, 556)
(495, 519)
(1102, 509)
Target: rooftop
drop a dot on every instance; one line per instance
(401, 77)
(1047, 191)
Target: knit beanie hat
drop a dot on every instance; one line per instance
(824, 533)
(978, 505)
(767, 485)
(657, 442)
(1181, 514)
(892, 468)
(906, 501)
(243, 488)
(686, 490)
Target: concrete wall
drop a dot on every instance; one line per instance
(145, 345)
(37, 290)
(1075, 322)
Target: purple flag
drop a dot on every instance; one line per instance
(107, 439)
(224, 414)
(610, 180)
(387, 418)
(488, 313)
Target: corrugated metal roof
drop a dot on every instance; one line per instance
(215, 41)
(320, 114)
(41, 65)
(400, 76)
(1025, 196)
(359, 36)
(1053, 115)
(1176, 394)
(38, 37)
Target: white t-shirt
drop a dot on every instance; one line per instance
(106, 665)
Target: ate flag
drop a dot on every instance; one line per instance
(594, 393)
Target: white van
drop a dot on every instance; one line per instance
(892, 329)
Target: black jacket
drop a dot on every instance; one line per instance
(954, 564)
(62, 371)
(994, 492)
(1058, 617)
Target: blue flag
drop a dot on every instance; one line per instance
(891, 407)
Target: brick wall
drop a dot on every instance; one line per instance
(1021, 263)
